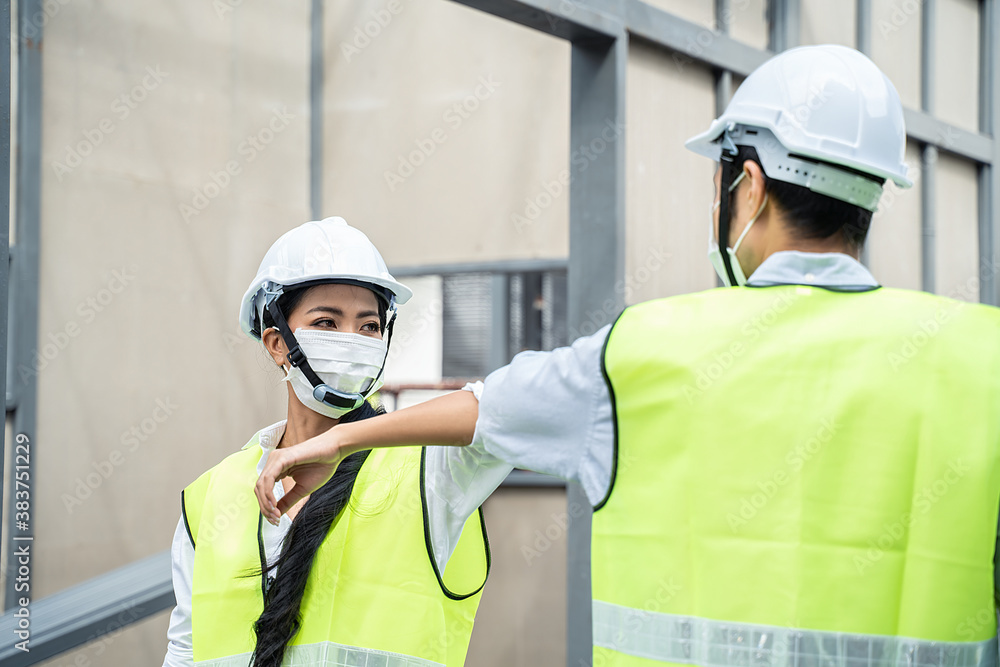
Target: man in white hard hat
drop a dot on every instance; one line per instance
(801, 468)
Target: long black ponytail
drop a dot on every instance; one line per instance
(281, 618)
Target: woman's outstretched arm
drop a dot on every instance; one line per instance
(447, 420)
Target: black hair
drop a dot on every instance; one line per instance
(810, 214)
(281, 617)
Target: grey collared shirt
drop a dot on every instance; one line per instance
(551, 411)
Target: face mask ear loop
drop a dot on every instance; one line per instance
(746, 229)
(388, 342)
(727, 158)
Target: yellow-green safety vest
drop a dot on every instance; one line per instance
(804, 478)
(374, 595)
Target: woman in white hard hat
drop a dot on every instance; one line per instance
(384, 563)
(802, 468)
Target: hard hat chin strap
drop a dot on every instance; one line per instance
(296, 357)
(727, 159)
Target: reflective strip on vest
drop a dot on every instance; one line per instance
(691, 640)
(329, 654)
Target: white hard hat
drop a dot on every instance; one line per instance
(828, 104)
(327, 250)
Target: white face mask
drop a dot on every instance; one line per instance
(715, 254)
(346, 362)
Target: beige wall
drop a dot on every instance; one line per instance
(475, 90)
(669, 189)
(825, 22)
(894, 240)
(522, 617)
(139, 295)
(138, 304)
(748, 22)
(956, 256)
(896, 46)
(957, 63)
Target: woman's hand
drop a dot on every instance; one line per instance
(446, 420)
(311, 464)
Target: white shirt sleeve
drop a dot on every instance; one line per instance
(547, 411)
(182, 571)
(457, 480)
(551, 412)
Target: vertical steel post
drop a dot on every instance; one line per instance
(989, 175)
(929, 153)
(4, 222)
(863, 42)
(723, 78)
(596, 264)
(24, 265)
(784, 21)
(863, 27)
(316, 61)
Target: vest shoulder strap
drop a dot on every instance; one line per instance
(194, 495)
(192, 502)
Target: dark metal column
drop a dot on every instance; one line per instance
(596, 264)
(316, 61)
(723, 78)
(784, 21)
(989, 175)
(929, 153)
(4, 220)
(863, 42)
(24, 262)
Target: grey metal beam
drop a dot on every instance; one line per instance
(989, 175)
(928, 51)
(929, 153)
(863, 42)
(4, 216)
(531, 480)
(926, 129)
(24, 265)
(723, 78)
(863, 27)
(316, 61)
(99, 606)
(596, 264)
(784, 24)
(928, 208)
(574, 20)
(692, 43)
(501, 266)
(775, 26)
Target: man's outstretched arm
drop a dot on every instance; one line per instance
(446, 420)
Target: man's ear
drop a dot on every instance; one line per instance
(275, 345)
(756, 188)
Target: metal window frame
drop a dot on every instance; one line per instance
(599, 32)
